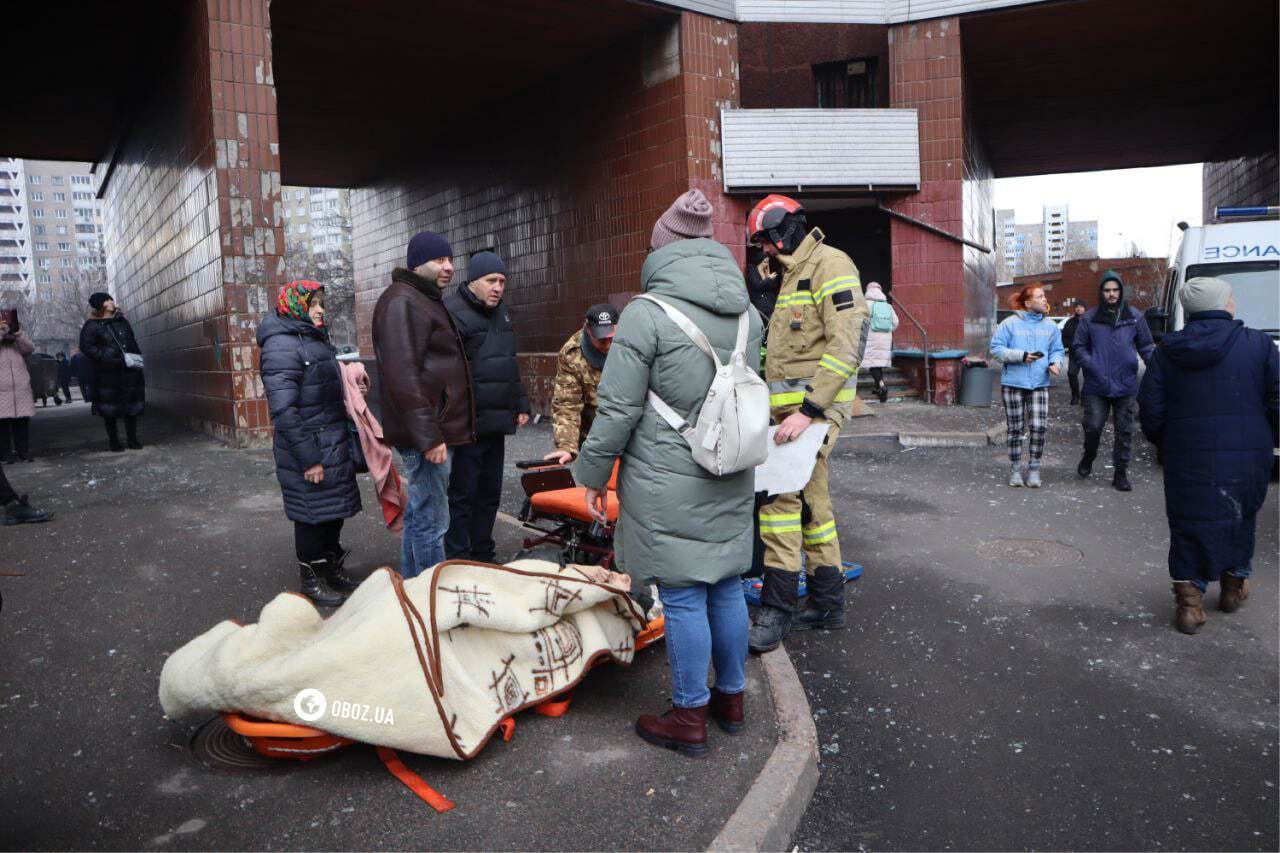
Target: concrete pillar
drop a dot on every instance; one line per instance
(950, 288)
(193, 226)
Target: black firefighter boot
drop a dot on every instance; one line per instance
(334, 573)
(825, 603)
(772, 621)
(1121, 480)
(313, 585)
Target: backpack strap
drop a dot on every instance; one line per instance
(687, 326)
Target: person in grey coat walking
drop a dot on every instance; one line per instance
(679, 525)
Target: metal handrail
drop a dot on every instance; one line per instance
(928, 386)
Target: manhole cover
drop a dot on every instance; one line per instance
(1029, 552)
(217, 747)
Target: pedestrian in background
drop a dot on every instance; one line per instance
(679, 525)
(1029, 345)
(489, 341)
(119, 388)
(82, 369)
(17, 404)
(1209, 399)
(425, 387)
(1107, 345)
(1073, 363)
(314, 458)
(64, 375)
(879, 354)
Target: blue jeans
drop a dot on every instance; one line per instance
(426, 519)
(1202, 584)
(705, 624)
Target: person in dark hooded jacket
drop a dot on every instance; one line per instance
(1209, 400)
(475, 479)
(314, 458)
(1106, 345)
(117, 390)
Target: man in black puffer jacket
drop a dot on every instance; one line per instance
(475, 483)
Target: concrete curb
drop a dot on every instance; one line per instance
(768, 815)
(943, 439)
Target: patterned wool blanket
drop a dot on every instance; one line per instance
(430, 665)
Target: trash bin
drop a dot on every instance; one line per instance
(976, 383)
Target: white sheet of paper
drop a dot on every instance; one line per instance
(790, 465)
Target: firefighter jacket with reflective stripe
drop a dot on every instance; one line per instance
(818, 330)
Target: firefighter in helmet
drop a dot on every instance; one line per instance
(816, 338)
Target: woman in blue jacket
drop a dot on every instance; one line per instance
(1209, 400)
(1029, 345)
(313, 453)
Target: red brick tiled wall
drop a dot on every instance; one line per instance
(778, 59)
(949, 288)
(1143, 279)
(193, 223)
(568, 193)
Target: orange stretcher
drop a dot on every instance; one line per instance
(555, 511)
(304, 743)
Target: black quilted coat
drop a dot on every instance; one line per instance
(490, 345)
(116, 391)
(304, 394)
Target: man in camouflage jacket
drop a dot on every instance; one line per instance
(578, 368)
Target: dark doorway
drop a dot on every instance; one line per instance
(863, 233)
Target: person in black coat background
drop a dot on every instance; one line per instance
(116, 390)
(1209, 400)
(475, 482)
(314, 458)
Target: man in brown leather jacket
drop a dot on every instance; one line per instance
(425, 389)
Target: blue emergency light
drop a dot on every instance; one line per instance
(1239, 212)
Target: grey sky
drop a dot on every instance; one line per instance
(1142, 205)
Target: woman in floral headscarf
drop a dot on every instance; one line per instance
(313, 452)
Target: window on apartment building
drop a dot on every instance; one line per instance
(37, 213)
(65, 263)
(34, 179)
(60, 213)
(317, 207)
(82, 180)
(302, 228)
(45, 278)
(39, 229)
(42, 246)
(81, 195)
(301, 211)
(37, 196)
(332, 204)
(57, 180)
(45, 263)
(851, 83)
(64, 247)
(59, 196)
(62, 230)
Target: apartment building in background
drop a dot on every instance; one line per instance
(1031, 249)
(50, 227)
(318, 220)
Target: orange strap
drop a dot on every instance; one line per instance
(413, 781)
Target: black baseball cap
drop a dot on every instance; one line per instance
(602, 320)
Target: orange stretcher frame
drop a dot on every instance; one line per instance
(294, 742)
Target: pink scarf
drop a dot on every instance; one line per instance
(387, 483)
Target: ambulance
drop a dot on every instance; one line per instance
(1241, 247)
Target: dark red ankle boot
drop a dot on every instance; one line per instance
(681, 729)
(726, 710)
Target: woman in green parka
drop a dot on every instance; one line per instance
(679, 525)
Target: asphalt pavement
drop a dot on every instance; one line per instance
(1010, 678)
(150, 548)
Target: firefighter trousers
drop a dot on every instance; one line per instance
(803, 523)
